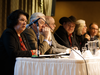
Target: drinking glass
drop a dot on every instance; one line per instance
(83, 49)
(86, 45)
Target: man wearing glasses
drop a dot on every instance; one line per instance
(93, 30)
(65, 33)
(44, 34)
(56, 47)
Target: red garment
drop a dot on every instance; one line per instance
(70, 40)
(23, 48)
(32, 52)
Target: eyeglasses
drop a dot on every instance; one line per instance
(42, 22)
(72, 26)
(85, 26)
(94, 28)
(52, 24)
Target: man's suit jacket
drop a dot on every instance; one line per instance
(44, 47)
(56, 47)
(62, 38)
(95, 37)
(10, 48)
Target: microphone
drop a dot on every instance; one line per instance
(82, 58)
(38, 40)
(65, 42)
(35, 21)
(71, 48)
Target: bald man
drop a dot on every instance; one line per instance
(56, 47)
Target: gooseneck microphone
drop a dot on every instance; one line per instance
(35, 21)
(72, 49)
(55, 33)
(83, 59)
(38, 40)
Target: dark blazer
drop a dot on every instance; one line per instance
(56, 47)
(95, 37)
(10, 49)
(44, 47)
(62, 37)
(81, 40)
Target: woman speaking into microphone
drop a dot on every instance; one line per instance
(13, 43)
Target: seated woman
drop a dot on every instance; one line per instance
(13, 42)
(80, 31)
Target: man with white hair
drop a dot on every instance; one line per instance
(32, 33)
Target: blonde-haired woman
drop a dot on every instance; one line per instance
(81, 35)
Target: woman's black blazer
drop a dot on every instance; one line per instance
(10, 48)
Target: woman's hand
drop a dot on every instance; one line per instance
(87, 36)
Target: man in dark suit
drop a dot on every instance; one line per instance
(93, 30)
(65, 33)
(56, 47)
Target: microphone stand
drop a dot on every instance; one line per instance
(72, 49)
(83, 59)
(36, 22)
(37, 39)
(52, 30)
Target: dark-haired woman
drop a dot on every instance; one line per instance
(13, 42)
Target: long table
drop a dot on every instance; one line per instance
(56, 66)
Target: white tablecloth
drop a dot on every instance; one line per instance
(56, 66)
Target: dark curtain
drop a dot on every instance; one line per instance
(29, 6)
(7, 6)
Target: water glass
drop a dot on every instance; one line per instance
(83, 49)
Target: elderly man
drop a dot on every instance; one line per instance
(65, 33)
(56, 47)
(32, 33)
(93, 30)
